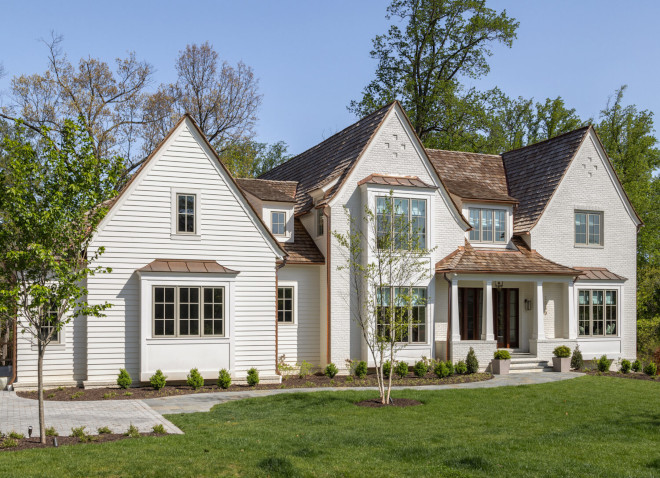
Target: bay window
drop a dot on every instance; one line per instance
(597, 312)
(178, 311)
(401, 223)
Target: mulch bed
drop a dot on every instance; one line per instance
(26, 443)
(629, 375)
(396, 402)
(320, 381)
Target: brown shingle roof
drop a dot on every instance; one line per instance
(280, 191)
(328, 160)
(412, 181)
(184, 265)
(303, 249)
(471, 175)
(534, 172)
(597, 273)
(521, 261)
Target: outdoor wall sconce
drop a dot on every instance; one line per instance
(528, 304)
(498, 284)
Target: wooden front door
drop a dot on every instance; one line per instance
(506, 317)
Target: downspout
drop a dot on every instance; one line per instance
(327, 281)
(448, 315)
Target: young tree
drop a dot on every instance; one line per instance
(51, 202)
(386, 258)
(250, 159)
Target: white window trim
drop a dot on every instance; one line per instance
(427, 309)
(507, 235)
(200, 318)
(294, 286)
(396, 196)
(604, 286)
(286, 219)
(600, 245)
(174, 234)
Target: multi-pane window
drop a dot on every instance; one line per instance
(319, 222)
(589, 228)
(278, 222)
(51, 326)
(401, 223)
(405, 307)
(185, 213)
(597, 314)
(285, 304)
(488, 225)
(177, 311)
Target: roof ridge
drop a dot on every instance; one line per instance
(269, 180)
(464, 152)
(549, 139)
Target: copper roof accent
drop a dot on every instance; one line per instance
(303, 249)
(472, 175)
(597, 273)
(534, 172)
(278, 191)
(185, 265)
(522, 260)
(411, 181)
(328, 160)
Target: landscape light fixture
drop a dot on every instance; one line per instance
(30, 431)
(55, 442)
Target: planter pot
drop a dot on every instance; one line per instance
(501, 367)
(561, 364)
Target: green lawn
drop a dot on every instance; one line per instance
(589, 426)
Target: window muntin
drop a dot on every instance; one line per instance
(177, 311)
(589, 228)
(50, 326)
(402, 304)
(319, 222)
(402, 221)
(285, 305)
(488, 225)
(278, 222)
(185, 213)
(597, 313)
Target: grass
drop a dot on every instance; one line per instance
(589, 426)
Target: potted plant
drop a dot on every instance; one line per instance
(502, 362)
(561, 362)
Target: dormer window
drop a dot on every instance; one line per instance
(278, 222)
(185, 213)
(488, 225)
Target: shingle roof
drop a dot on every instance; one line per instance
(279, 191)
(520, 261)
(597, 273)
(184, 265)
(411, 181)
(303, 249)
(534, 172)
(328, 160)
(471, 175)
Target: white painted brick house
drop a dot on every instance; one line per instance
(533, 248)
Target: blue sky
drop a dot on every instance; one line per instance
(312, 57)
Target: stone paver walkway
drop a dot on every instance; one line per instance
(17, 413)
(202, 402)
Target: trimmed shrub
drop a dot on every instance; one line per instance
(420, 369)
(104, 431)
(16, 435)
(158, 380)
(562, 352)
(78, 432)
(505, 355)
(460, 368)
(637, 366)
(361, 369)
(625, 365)
(132, 431)
(305, 369)
(224, 379)
(450, 367)
(387, 369)
(195, 379)
(576, 360)
(252, 377)
(471, 362)
(651, 369)
(441, 370)
(603, 363)
(159, 429)
(51, 432)
(331, 370)
(401, 369)
(124, 379)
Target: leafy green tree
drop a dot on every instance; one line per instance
(51, 202)
(421, 64)
(250, 159)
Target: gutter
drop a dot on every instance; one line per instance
(328, 279)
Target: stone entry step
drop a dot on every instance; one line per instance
(525, 362)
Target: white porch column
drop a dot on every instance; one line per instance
(487, 331)
(539, 327)
(572, 316)
(455, 330)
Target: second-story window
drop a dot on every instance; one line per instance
(278, 222)
(589, 228)
(401, 222)
(185, 213)
(488, 225)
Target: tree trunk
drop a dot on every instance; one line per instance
(40, 391)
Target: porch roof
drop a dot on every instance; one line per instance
(597, 273)
(183, 265)
(521, 260)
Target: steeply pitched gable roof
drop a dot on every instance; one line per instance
(534, 172)
(329, 160)
(471, 175)
(266, 190)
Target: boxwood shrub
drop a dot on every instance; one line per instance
(651, 369)
(625, 366)
(637, 366)
(562, 351)
(420, 369)
(503, 354)
(460, 368)
(252, 377)
(195, 379)
(158, 380)
(401, 369)
(361, 369)
(603, 363)
(331, 370)
(224, 379)
(124, 379)
(387, 369)
(441, 370)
